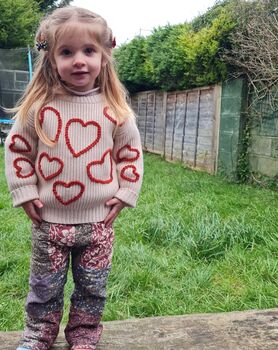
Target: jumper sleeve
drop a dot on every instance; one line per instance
(128, 155)
(20, 154)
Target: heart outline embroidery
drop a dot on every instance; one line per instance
(127, 159)
(50, 160)
(68, 185)
(114, 121)
(56, 112)
(84, 124)
(18, 168)
(105, 112)
(13, 148)
(127, 178)
(100, 162)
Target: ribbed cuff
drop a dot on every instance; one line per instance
(24, 194)
(128, 196)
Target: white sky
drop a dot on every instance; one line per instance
(129, 18)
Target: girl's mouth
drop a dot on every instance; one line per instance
(79, 73)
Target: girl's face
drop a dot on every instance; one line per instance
(77, 58)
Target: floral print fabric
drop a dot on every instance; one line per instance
(90, 247)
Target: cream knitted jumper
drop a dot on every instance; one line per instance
(93, 160)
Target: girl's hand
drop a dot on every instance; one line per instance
(31, 209)
(116, 206)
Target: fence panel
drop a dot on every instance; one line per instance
(159, 122)
(181, 125)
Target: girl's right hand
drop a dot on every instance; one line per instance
(31, 209)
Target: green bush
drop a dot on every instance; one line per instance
(131, 63)
(166, 55)
(177, 57)
(18, 19)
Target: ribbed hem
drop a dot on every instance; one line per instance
(24, 194)
(127, 196)
(22, 349)
(74, 216)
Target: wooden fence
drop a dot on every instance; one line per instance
(181, 125)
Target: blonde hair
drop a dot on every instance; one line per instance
(46, 84)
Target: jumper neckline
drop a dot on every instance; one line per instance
(90, 92)
(89, 96)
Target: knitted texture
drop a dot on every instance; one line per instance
(92, 161)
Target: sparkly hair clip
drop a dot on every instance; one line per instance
(42, 45)
(114, 42)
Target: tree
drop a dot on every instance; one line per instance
(18, 22)
(206, 19)
(180, 56)
(255, 45)
(167, 57)
(131, 63)
(204, 50)
(48, 5)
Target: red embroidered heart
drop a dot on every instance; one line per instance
(124, 156)
(21, 146)
(69, 185)
(107, 153)
(84, 125)
(59, 120)
(46, 169)
(105, 112)
(20, 168)
(125, 173)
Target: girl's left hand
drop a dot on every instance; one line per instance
(116, 206)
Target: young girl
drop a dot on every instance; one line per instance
(73, 162)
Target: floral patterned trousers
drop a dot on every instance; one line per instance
(90, 248)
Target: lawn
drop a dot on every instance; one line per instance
(195, 243)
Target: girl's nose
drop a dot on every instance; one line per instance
(78, 60)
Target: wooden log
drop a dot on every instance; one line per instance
(247, 330)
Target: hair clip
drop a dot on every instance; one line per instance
(41, 42)
(41, 45)
(114, 42)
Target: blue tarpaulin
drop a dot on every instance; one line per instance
(7, 121)
(5, 126)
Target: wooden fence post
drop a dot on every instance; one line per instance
(197, 129)
(146, 113)
(216, 126)
(184, 124)
(164, 120)
(174, 126)
(154, 117)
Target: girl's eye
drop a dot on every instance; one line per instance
(89, 50)
(65, 52)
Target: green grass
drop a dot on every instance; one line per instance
(195, 243)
